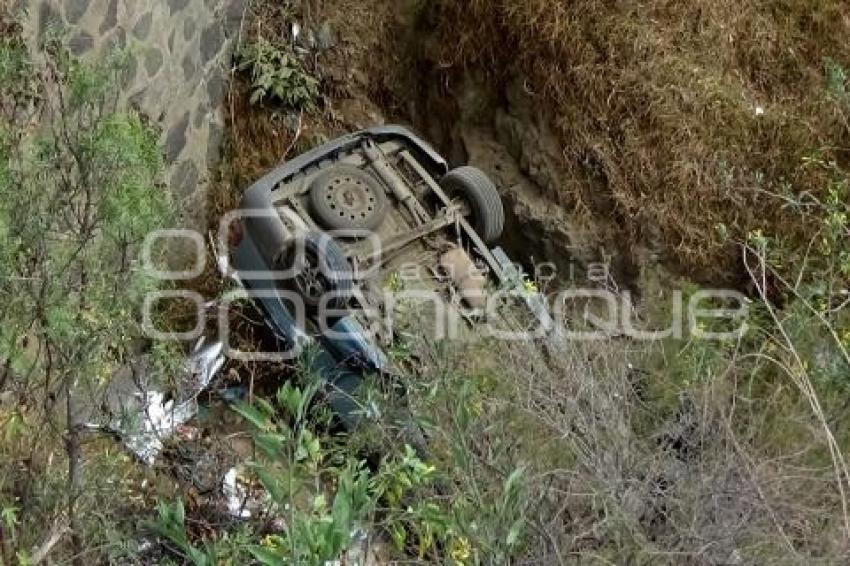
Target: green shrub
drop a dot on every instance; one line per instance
(277, 74)
(80, 189)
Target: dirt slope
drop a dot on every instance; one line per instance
(683, 126)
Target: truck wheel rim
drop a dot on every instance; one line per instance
(350, 198)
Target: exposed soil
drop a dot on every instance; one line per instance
(377, 71)
(612, 137)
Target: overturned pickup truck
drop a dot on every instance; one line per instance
(319, 240)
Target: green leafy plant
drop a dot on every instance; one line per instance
(80, 189)
(294, 455)
(229, 547)
(171, 524)
(836, 81)
(325, 495)
(277, 74)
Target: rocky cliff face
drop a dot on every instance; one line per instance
(502, 130)
(177, 73)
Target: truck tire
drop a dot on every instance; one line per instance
(479, 192)
(319, 268)
(347, 198)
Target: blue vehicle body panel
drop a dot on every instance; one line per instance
(341, 360)
(279, 318)
(344, 355)
(346, 341)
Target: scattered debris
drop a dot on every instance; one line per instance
(325, 37)
(242, 501)
(365, 550)
(161, 416)
(235, 494)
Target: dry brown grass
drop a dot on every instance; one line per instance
(616, 477)
(658, 99)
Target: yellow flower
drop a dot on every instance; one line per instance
(461, 550)
(395, 283)
(530, 287)
(477, 408)
(270, 541)
(845, 338)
